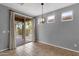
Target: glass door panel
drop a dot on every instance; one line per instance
(28, 31)
(19, 33)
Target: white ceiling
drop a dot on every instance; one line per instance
(35, 9)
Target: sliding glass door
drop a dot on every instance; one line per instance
(24, 33)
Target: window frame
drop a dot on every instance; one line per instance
(51, 17)
(65, 16)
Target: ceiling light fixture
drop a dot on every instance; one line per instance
(42, 17)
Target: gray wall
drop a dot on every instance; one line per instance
(64, 34)
(4, 27)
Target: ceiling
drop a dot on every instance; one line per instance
(35, 9)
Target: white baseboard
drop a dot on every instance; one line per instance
(4, 49)
(58, 46)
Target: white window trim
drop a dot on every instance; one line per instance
(50, 18)
(69, 19)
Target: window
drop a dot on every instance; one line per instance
(67, 16)
(51, 19)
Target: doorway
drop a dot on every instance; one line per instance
(23, 30)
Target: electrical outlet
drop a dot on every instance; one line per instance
(75, 45)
